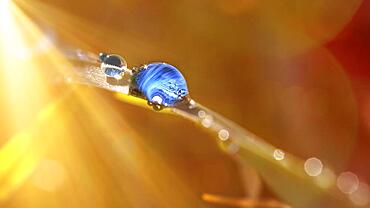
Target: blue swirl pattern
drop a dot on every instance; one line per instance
(162, 80)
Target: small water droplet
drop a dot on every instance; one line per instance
(223, 134)
(279, 154)
(201, 114)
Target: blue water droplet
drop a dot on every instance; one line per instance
(161, 80)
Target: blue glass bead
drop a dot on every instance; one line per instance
(161, 83)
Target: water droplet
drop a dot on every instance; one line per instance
(113, 65)
(279, 154)
(223, 134)
(201, 114)
(164, 80)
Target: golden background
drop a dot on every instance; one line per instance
(263, 64)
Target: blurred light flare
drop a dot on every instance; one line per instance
(366, 112)
(348, 182)
(4, 5)
(21, 154)
(313, 166)
(26, 92)
(21, 74)
(242, 202)
(326, 179)
(133, 158)
(15, 166)
(361, 197)
(11, 157)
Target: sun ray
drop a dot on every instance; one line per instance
(26, 79)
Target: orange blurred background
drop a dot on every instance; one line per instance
(295, 73)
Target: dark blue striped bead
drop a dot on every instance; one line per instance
(161, 83)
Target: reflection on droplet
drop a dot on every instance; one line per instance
(49, 175)
(361, 197)
(348, 182)
(192, 104)
(313, 166)
(201, 114)
(157, 99)
(279, 154)
(118, 76)
(207, 121)
(223, 134)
